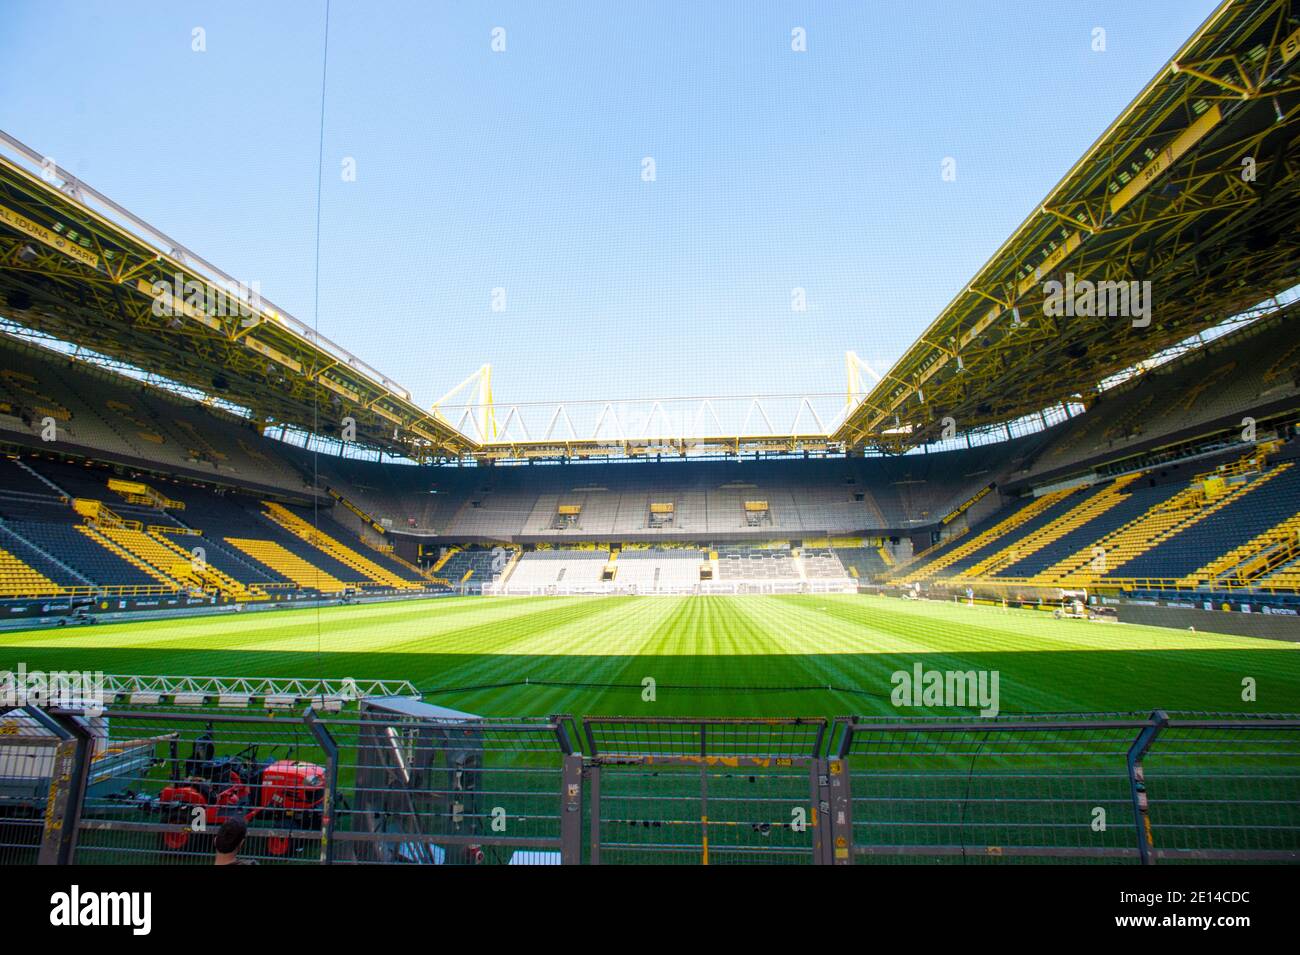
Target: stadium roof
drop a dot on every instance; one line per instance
(1193, 189)
(75, 265)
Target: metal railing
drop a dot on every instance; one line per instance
(705, 791)
(398, 781)
(1127, 584)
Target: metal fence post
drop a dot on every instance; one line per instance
(593, 801)
(1137, 785)
(571, 811)
(841, 812)
(331, 748)
(819, 782)
(840, 793)
(67, 786)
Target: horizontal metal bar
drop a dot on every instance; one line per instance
(118, 825)
(1262, 723)
(677, 759)
(523, 842)
(194, 716)
(757, 722)
(1117, 852)
(714, 848)
(992, 727)
(1258, 855)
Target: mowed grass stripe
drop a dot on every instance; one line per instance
(1070, 665)
(760, 656)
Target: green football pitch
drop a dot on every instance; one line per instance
(805, 655)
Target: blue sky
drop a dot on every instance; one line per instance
(522, 169)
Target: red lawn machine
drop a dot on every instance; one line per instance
(209, 789)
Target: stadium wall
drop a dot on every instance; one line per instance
(1269, 622)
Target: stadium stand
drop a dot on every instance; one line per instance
(1138, 498)
(470, 567)
(1232, 526)
(823, 565)
(1149, 530)
(44, 564)
(215, 541)
(659, 570)
(89, 555)
(117, 418)
(313, 533)
(289, 564)
(395, 496)
(706, 499)
(959, 552)
(862, 563)
(19, 579)
(1088, 503)
(1149, 526)
(145, 481)
(387, 568)
(1257, 506)
(245, 527)
(550, 571)
(1253, 370)
(754, 564)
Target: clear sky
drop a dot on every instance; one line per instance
(522, 170)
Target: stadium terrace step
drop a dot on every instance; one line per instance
(288, 564)
(149, 551)
(100, 536)
(1097, 501)
(1182, 511)
(340, 552)
(17, 579)
(1260, 555)
(1125, 539)
(1022, 514)
(1227, 523)
(1287, 578)
(208, 574)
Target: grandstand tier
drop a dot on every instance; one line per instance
(144, 493)
(69, 526)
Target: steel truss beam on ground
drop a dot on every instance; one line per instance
(248, 691)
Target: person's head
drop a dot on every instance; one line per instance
(231, 836)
